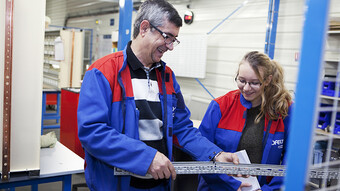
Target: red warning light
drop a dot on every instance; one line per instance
(188, 17)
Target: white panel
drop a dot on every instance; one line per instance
(218, 81)
(199, 109)
(288, 40)
(334, 9)
(291, 8)
(222, 67)
(211, 5)
(228, 6)
(78, 59)
(291, 88)
(333, 44)
(287, 57)
(65, 65)
(290, 74)
(218, 13)
(289, 24)
(64, 72)
(211, 81)
(188, 59)
(27, 71)
(248, 41)
(229, 54)
(250, 25)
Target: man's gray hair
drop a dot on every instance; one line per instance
(156, 12)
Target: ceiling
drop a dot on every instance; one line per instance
(80, 7)
(84, 8)
(77, 7)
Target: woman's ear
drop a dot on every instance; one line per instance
(268, 80)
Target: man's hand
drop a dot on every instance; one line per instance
(227, 157)
(161, 167)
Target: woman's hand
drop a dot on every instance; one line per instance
(243, 184)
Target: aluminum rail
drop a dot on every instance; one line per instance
(242, 169)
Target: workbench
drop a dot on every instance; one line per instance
(56, 164)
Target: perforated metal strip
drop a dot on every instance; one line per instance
(6, 140)
(243, 169)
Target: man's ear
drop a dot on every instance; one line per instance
(144, 27)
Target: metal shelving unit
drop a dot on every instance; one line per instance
(74, 54)
(51, 66)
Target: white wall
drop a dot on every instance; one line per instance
(242, 32)
(57, 11)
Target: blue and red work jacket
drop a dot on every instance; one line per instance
(108, 123)
(223, 124)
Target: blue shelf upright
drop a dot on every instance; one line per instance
(305, 115)
(273, 14)
(125, 20)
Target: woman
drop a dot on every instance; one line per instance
(253, 118)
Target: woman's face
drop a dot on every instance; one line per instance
(249, 84)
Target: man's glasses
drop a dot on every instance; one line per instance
(241, 83)
(167, 38)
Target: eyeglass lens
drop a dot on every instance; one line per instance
(242, 83)
(167, 39)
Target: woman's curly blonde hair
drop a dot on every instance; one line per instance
(276, 99)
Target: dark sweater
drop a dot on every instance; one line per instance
(252, 135)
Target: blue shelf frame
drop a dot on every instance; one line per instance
(304, 114)
(34, 182)
(125, 20)
(273, 14)
(54, 115)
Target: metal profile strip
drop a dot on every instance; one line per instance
(230, 168)
(6, 140)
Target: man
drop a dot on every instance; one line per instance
(131, 107)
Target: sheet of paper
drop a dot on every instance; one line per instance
(244, 159)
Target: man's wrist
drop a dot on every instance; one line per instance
(218, 154)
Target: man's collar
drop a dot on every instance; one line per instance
(133, 60)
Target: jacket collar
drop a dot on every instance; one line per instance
(124, 62)
(244, 102)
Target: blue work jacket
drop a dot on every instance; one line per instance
(108, 124)
(223, 124)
